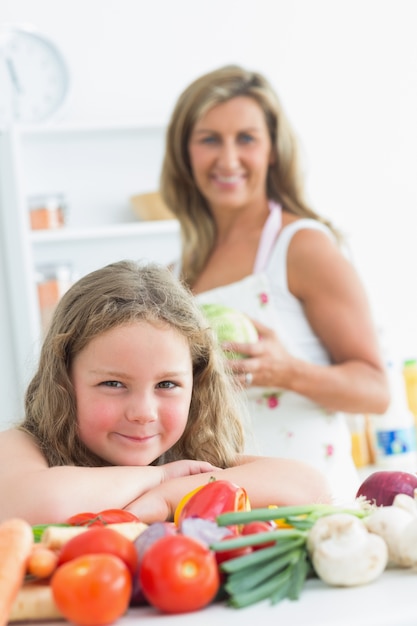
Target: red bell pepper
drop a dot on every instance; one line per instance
(218, 496)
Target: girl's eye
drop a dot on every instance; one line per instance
(112, 383)
(166, 384)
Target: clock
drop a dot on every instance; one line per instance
(34, 77)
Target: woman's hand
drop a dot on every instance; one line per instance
(267, 362)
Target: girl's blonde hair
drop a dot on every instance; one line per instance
(123, 293)
(178, 187)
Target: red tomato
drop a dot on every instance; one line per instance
(92, 589)
(233, 553)
(253, 528)
(100, 540)
(179, 574)
(109, 516)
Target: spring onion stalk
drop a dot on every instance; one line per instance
(257, 539)
(287, 513)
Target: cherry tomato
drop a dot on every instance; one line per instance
(92, 589)
(253, 528)
(233, 553)
(100, 540)
(108, 516)
(179, 574)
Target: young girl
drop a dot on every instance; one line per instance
(131, 407)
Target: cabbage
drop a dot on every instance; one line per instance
(230, 324)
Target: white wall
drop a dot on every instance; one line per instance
(346, 71)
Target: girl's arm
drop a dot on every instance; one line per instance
(39, 494)
(266, 480)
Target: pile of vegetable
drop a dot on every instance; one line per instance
(91, 569)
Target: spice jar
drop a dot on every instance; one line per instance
(47, 211)
(52, 282)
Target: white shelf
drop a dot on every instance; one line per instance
(105, 126)
(113, 231)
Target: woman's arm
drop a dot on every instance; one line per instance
(338, 311)
(31, 490)
(266, 480)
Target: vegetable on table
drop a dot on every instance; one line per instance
(34, 602)
(103, 518)
(380, 488)
(344, 553)
(278, 571)
(214, 498)
(16, 541)
(55, 536)
(101, 540)
(92, 589)
(42, 561)
(179, 574)
(397, 525)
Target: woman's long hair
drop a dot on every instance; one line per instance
(178, 188)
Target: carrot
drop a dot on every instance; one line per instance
(16, 540)
(42, 561)
(54, 537)
(34, 602)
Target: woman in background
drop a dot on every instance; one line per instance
(250, 241)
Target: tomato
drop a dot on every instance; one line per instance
(179, 574)
(214, 498)
(92, 589)
(100, 540)
(108, 516)
(233, 553)
(253, 528)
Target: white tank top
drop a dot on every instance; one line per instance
(283, 423)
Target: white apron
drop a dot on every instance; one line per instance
(283, 423)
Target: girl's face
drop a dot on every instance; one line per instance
(230, 152)
(133, 389)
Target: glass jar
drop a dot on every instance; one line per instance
(52, 282)
(47, 211)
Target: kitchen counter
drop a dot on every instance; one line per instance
(389, 601)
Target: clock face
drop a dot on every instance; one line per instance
(33, 77)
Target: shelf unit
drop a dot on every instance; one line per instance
(97, 168)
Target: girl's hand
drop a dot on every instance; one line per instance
(177, 469)
(159, 503)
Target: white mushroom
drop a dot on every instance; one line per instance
(407, 545)
(390, 523)
(344, 553)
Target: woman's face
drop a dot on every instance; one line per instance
(133, 389)
(230, 152)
